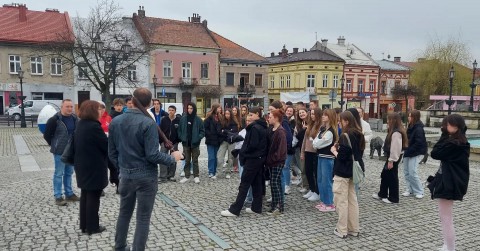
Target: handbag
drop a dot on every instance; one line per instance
(358, 174)
(68, 154)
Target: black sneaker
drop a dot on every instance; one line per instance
(72, 198)
(60, 202)
(275, 212)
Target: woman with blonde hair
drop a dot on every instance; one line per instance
(309, 154)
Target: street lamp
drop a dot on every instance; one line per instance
(341, 102)
(23, 124)
(113, 58)
(451, 75)
(154, 86)
(472, 85)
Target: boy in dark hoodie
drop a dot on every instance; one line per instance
(169, 126)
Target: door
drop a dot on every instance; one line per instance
(371, 111)
(82, 96)
(2, 108)
(200, 107)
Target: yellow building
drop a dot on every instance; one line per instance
(316, 72)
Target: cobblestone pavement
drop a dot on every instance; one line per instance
(29, 220)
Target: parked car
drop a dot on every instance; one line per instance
(32, 107)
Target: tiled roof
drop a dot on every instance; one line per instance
(172, 32)
(348, 52)
(391, 66)
(315, 55)
(233, 51)
(39, 26)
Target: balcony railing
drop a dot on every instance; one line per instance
(187, 82)
(247, 90)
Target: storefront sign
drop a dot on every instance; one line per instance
(12, 87)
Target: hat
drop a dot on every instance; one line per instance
(102, 103)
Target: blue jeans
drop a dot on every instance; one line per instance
(212, 159)
(286, 171)
(412, 181)
(142, 192)
(325, 180)
(249, 194)
(63, 174)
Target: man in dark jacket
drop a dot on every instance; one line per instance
(190, 133)
(157, 111)
(169, 126)
(58, 131)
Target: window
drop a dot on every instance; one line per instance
(397, 83)
(186, 70)
(56, 66)
(167, 68)
(288, 81)
(349, 85)
(310, 80)
(244, 79)
(36, 65)
(384, 83)
(282, 81)
(325, 81)
(14, 61)
(132, 73)
(230, 78)
(204, 70)
(258, 80)
(360, 86)
(272, 81)
(82, 71)
(372, 86)
(335, 81)
(47, 95)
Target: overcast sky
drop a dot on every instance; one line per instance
(382, 27)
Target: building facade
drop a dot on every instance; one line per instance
(391, 75)
(23, 46)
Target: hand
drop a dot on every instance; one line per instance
(304, 124)
(310, 138)
(390, 165)
(177, 155)
(168, 144)
(302, 157)
(333, 149)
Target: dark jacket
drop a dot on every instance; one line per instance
(213, 131)
(343, 165)
(417, 143)
(255, 145)
(277, 148)
(198, 131)
(288, 134)
(133, 146)
(300, 136)
(91, 153)
(160, 115)
(56, 133)
(169, 128)
(114, 114)
(451, 181)
(229, 130)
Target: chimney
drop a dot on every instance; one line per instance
(272, 54)
(396, 59)
(22, 12)
(195, 18)
(205, 23)
(295, 50)
(369, 54)
(284, 52)
(141, 11)
(324, 42)
(341, 40)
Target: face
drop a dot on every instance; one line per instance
(312, 115)
(344, 123)
(302, 114)
(410, 118)
(325, 118)
(219, 110)
(234, 111)
(171, 112)
(289, 112)
(190, 109)
(252, 117)
(248, 120)
(129, 104)
(271, 119)
(271, 108)
(156, 104)
(118, 107)
(312, 105)
(101, 110)
(360, 112)
(244, 111)
(451, 129)
(227, 114)
(67, 108)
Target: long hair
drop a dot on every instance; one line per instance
(314, 126)
(213, 112)
(332, 121)
(395, 124)
(226, 122)
(237, 118)
(457, 121)
(415, 115)
(352, 127)
(256, 110)
(298, 120)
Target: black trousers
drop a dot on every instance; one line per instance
(311, 161)
(89, 206)
(389, 182)
(252, 176)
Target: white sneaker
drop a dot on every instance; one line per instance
(419, 196)
(314, 197)
(184, 180)
(267, 183)
(306, 196)
(406, 194)
(214, 177)
(227, 176)
(182, 174)
(227, 213)
(287, 189)
(210, 175)
(302, 190)
(386, 201)
(375, 196)
(197, 180)
(269, 200)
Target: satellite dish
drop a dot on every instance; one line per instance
(47, 112)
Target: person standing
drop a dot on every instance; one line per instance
(118, 104)
(134, 137)
(157, 111)
(351, 143)
(169, 127)
(309, 154)
(451, 181)
(300, 128)
(229, 128)
(190, 133)
(91, 154)
(105, 121)
(58, 131)
(252, 157)
(395, 142)
(417, 148)
(366, 129)
(213, 137)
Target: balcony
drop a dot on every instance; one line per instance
(246, 90)
(187, 83)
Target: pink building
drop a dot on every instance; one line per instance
(461, 103)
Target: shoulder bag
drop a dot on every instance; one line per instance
(358, 174)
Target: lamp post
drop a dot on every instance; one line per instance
(154, 86)
(23, 124)
(472, 85)
(451, 75)
(113, 57)
(341, 102)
